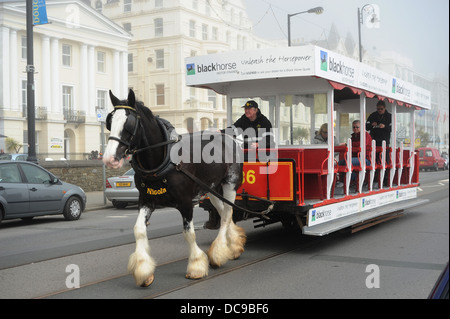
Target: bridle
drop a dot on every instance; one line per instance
(132, 129)
(127, 127)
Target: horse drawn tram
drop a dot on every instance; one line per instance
(306, 91)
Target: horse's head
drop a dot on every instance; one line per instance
(123, 123)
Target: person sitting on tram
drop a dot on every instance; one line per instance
(253, 118)
(322, 136)
(356, 126)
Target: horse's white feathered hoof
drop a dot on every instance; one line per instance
(198, 266)
(149, 281)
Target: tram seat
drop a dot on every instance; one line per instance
(357, 169)
(383, 164)
(342, 170)
(316, 171)
(407, 156)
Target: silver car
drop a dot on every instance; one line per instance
(13, 157)
(28, 190)
(121, 190)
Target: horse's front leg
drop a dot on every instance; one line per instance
(198, 263)
(140, 263)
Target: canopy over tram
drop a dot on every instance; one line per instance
(245, 70)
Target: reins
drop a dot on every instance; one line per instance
(195, 179)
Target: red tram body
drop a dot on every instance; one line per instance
(299, 186)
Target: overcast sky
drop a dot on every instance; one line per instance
(417, 29)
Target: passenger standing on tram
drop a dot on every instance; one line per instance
(356, 143)
(379, 124)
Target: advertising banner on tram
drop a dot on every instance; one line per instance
(250, 65)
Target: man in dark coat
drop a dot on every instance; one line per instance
(253, 118)
(379, 124)
(258, 136)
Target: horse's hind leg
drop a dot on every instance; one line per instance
(140, 263)
(235, 234)
(198, 261)
(229, 243)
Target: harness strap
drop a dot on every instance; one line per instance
(125, 107)
(156, 145)
(180, 168)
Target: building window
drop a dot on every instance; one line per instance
(101, 56)
(212, 97)
(23, 92)
(130, 62)
(204, 31)
(159, 3)
(215, 33)
(127, 6)
(127, 26)
(24, 47)
(159, 59)
(101, 99)
(98, 6)
(195, 4)
(160, 96)
(159, 27)
(67, 94)
(192, 28)
(66, 55)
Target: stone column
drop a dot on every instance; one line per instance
(55, 85)
(84, 79)
(5, 96)
(46, 74)
(14, 75)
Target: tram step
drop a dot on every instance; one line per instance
(363, 219)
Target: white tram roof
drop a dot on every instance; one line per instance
(224, 71)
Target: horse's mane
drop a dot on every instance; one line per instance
(141, 107)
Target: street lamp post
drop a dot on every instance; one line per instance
(30, 85)
(316, 10)
(373, 20)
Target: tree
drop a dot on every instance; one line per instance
(12, 145)
(424, 138)
(301, 135)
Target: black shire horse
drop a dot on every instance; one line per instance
(162, 181)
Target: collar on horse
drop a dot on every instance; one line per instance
(166, 165)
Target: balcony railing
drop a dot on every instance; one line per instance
(74, 116)
(40, 112)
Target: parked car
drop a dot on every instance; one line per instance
(445, 157)
(121, 190)
(441, 288)
(429, 158)
(28, 190)
(13, 157)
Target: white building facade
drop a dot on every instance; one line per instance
(78, 57)
(165, 32)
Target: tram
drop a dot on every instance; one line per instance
(305, 184)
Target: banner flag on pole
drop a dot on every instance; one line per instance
(39, 12)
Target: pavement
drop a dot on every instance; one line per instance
(96, 201)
